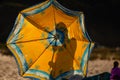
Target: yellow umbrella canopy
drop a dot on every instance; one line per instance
(49, 42)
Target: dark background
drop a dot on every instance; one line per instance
(102, 18)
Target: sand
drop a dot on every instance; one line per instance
(9, 70)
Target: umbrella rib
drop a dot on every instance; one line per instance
(54, 17)
(69, 25)
(47, 47)
(38, 26)
(31, 40)
(43, 52)
(18, 39)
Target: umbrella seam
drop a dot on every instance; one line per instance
(40, 55)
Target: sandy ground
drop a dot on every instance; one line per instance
(9, 71)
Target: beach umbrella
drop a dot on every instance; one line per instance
(49, 42)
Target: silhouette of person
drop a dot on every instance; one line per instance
(63, 53)
(115, 72)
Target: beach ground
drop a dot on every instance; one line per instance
(9, 70)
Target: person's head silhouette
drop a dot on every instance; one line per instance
(116, 64)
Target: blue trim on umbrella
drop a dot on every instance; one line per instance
(83, 28)
(48, 76)
(31, 78)
(37, 10)
(86, 33)
(84, 55)
(91, 48)
(67, 11)
(38, 73)
(12, 44)
(17, 23)
(21, 57)
(82, 23)
(16, 62)
(13, 28)
(64, 74)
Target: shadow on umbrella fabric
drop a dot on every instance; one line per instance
(64, 50)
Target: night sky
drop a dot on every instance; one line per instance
(101, 17)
